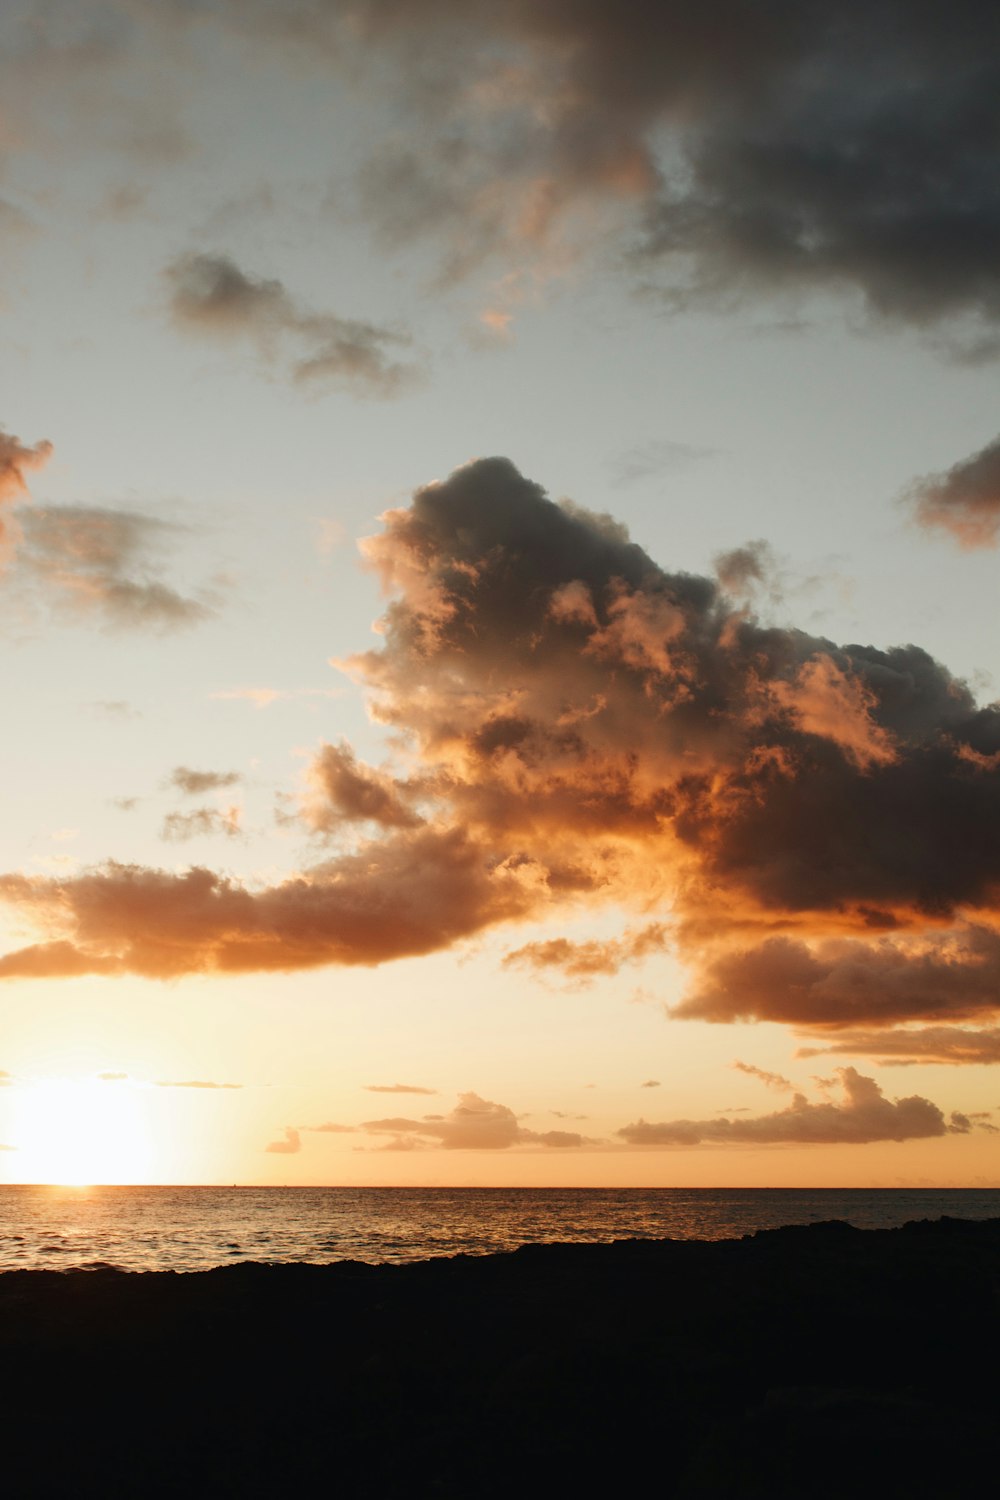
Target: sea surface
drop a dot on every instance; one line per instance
(194, 1228)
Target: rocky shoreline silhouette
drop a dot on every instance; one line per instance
(814, 1361)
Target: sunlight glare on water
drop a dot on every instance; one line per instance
(192, 1229)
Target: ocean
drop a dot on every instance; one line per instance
(195, 1228)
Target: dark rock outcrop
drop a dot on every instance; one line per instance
(818, 1361)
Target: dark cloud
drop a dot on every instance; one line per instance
(901, 1047)
(584, 961)
(212, 296)
(288, 1145)
(843, 981)
(202, 822)
(196, 783)
(105, 563)
(782, 145)
(815, 826)
(16, 460)
(396, 1088)
(862, 1115)
(474, 1124)
(965, 500)
(651, 1083)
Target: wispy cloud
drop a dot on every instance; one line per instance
(396, 1088)
(103, 563)
(212, 296)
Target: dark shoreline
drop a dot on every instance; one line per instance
(816, 1361)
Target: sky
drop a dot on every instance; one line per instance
(499, 509)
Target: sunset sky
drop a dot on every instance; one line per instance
(499, 509)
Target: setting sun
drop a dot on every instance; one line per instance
(76, 1132)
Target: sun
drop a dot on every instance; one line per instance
(76, 1132)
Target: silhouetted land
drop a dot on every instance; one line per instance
(811, 1362)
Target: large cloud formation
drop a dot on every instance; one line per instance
(752, 143)
(817, 825)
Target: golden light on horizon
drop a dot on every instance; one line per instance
(78, 1132)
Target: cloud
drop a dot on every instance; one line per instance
(964, 501)
(861, 1116)
(743, 569)
(845, 980)
(16, 460)
(585, 960)
(743, 149)
(815, 827)
(414, 893)
(115, 708)
(654, 460)
(396, 1088)
(651, 1083)
(342, 790)
(202, 822)
(210, 295)
(100, 562)
(288, 1145)
(57, 960)
(899, 1047)
(196, 783)
(474, 1124)
(195, 1083)
(329, 1128)
(771, 1080)
(263, 697)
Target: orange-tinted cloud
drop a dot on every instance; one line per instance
(287, 1145)
(771, 1080)
(396, 1088)
(965, 500)
(474, 1124)
(16, 460)
(343, 790)
(843, 981)
(863, 1114)
(104, 563)
(411, 894)
(816, 827)
(902, 1047)
(202, 822)
(196, 783)
(586, 960)
(194, 1083)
